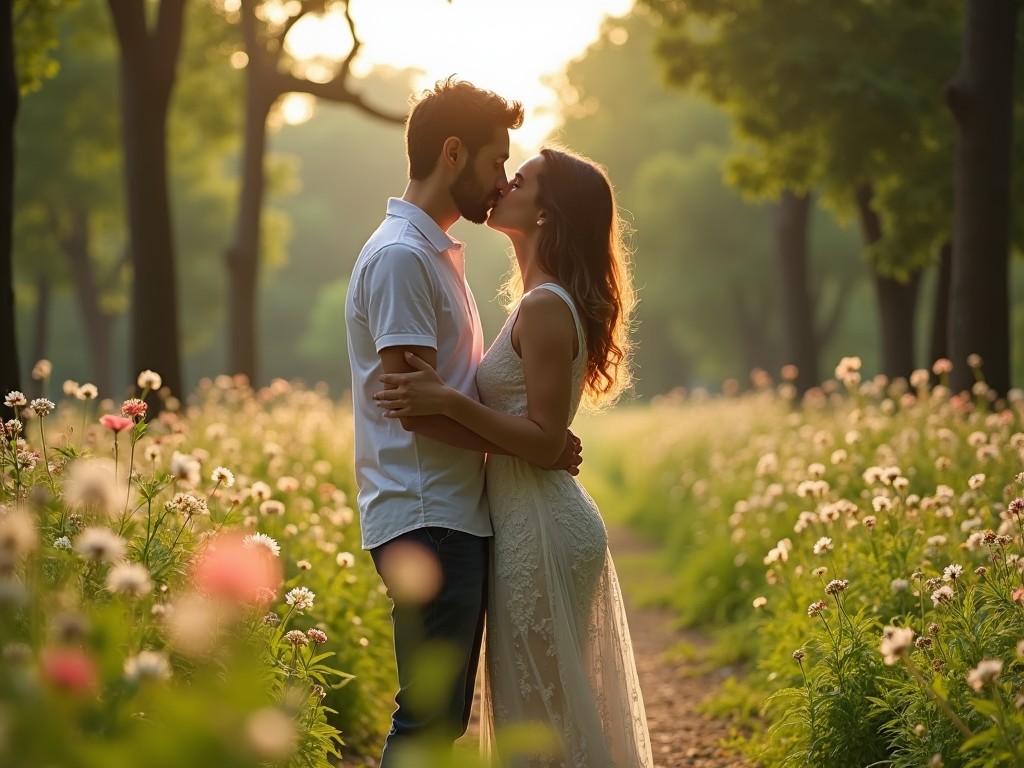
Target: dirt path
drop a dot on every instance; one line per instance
(673, 687)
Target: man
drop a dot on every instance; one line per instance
(421, 482)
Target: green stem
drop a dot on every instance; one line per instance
(131, 465)
(942, 703)
(46, 461)
(115, 457)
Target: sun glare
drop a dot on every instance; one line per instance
(510, 48)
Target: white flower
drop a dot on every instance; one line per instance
(17, 533)
(952, 572)
(100, 544)
(760, 602)
(131, 579)
(271, 734)
(987, 671)
(847, 367)
(87, 392)
(62, 542)
(345, 559)
(147, 665)
(767, 465)
(15, 399)
(899, 585)
(824, 544)
(150, 380)
(287, 484)
(185, 467)
(92, 484)
(42, 370)
(300, 598)
(976, 481)
(42, 406)
(188, 505)
(260, 491)
(262, 540)
(223, 476)
(942, 596)
(895, 642)
(881, 503)
(272, 507)
(919, 378)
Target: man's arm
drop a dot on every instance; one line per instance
(439, 428)
(449, 431)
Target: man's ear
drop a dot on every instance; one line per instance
(453, 151)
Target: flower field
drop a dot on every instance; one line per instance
(861, 552)
(185, 589)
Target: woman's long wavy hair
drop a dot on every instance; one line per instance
(582, 246)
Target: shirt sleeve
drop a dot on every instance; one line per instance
(399, 299)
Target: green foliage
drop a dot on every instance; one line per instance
(151, 620)
(896, 508)
(819, 106)
(705, 258)
(35, 38)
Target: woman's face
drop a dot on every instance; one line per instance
(517, 210)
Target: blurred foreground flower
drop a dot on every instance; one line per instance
(410, 571)
(230, 567)
(987, 672)
(70, 669)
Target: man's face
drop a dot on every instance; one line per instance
(482, 180)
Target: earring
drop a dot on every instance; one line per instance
(540, 222)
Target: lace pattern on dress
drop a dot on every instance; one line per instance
(557, 652)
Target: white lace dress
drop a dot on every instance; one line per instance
(557, 650)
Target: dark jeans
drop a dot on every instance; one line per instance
(437, 642)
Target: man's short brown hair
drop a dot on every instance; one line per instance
(454, 108)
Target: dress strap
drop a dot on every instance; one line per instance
(558, 290)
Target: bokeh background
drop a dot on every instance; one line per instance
(725, 158)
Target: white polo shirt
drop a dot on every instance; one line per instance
(409, 287)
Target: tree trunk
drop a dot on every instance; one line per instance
(897, 301)
(243, 256)
(148, 64)
(799, 345)
(980, 97)
(10, 373)
(98, 325)
(939, 346)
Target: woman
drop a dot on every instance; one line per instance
(558, 650)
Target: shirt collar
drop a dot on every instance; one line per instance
(437, 237)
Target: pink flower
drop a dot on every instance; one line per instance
(134, 407)
(230, 569)
(115, 423)
(70, 669)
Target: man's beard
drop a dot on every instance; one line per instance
(470, 197)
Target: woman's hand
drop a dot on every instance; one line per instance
(419, 393)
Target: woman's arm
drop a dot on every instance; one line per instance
(546, 333)
(436, 426)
